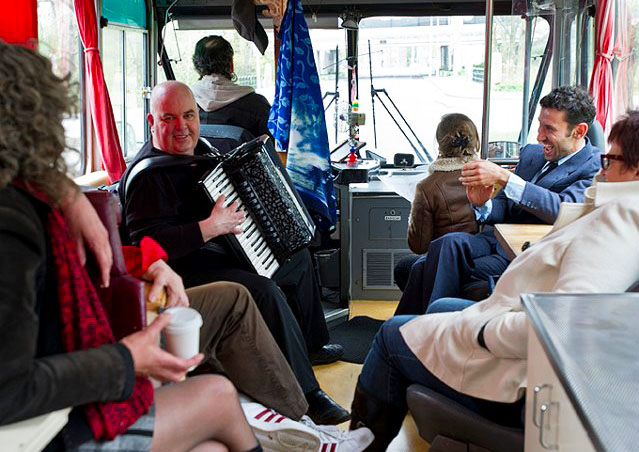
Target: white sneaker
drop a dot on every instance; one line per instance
(277, 433)
(334, 439)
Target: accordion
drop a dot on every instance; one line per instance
(277, 223)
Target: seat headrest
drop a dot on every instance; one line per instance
(596, 135)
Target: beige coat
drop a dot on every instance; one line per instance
(440, 206)
(597, 253)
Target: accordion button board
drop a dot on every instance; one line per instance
(277, 224)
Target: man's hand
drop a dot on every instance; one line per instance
(162, 276)
(150, 360)
(479, 195)
(223, 220)
(86, 227)
(483, 173)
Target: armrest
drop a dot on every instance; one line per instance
(32, 435)
(94, 179)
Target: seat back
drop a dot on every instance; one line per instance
(225, 137)
(634, 287)
(596, 136)
(124, 299)
(451, 427)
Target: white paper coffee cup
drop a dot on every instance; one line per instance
(182, 334)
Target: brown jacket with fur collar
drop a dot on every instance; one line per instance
(440, 206)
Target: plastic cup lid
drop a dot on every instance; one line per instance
(183, 318)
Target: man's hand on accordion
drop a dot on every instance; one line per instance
(223, 220)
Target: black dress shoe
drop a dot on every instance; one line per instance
(325, 411)
(327, 354)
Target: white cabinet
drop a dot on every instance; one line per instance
(551, 421)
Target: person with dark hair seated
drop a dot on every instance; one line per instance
(478, 356)
(219, 98)
(557, 170)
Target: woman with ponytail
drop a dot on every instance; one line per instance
(440, 205)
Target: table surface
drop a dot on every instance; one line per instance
(512, 236)
(591, 343)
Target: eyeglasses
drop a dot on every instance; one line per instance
(605, 160)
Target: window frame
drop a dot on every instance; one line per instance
(147, 76)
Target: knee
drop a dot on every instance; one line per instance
(448, 241)
(388, 332)
(266, 290)
(218, 297)
(234, 294)
(215, 387)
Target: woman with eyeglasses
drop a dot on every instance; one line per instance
(478, 356)
(621, 163)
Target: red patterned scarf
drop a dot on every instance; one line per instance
(85, 325)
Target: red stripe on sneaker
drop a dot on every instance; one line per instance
(334, 447)
(281, 418)
(270, 418)
(324, 446)
(262, 413)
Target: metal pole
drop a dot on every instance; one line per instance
(488, 53)
(351, 57)
(523, 139)
(336, 90)
(370, 77)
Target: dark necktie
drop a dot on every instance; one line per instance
(551, 166)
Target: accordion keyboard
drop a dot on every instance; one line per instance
(251, 241)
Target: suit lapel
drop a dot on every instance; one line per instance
(533, 163)
(567, 168)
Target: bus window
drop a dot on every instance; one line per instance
(252, 68)
(430, 66)
(124, 60)
(329, 46)
(626, 65)
(59, 41)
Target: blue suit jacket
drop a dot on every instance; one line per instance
(540, 203)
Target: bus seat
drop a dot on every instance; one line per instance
(451, 427)
(94, 179)
(124, 299)
(225, 137)
(596, 136)
(124, 303)
(33, 435)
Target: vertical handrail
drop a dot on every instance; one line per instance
(525, 127)
(487, 69)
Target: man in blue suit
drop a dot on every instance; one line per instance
(557, 170)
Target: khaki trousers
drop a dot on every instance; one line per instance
(235, 341)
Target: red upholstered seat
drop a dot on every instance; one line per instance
(124, 299)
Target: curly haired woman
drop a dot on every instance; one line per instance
(58, 348)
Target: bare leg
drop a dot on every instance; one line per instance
(210, 446)
(199, 412)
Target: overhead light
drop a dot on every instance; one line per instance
(350, 21)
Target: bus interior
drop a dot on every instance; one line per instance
(388, 71)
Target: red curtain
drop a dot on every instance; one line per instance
(601, 83)
(623, 52)
(19, 22)
(98, 93)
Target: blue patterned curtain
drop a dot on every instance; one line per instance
(297, 119)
